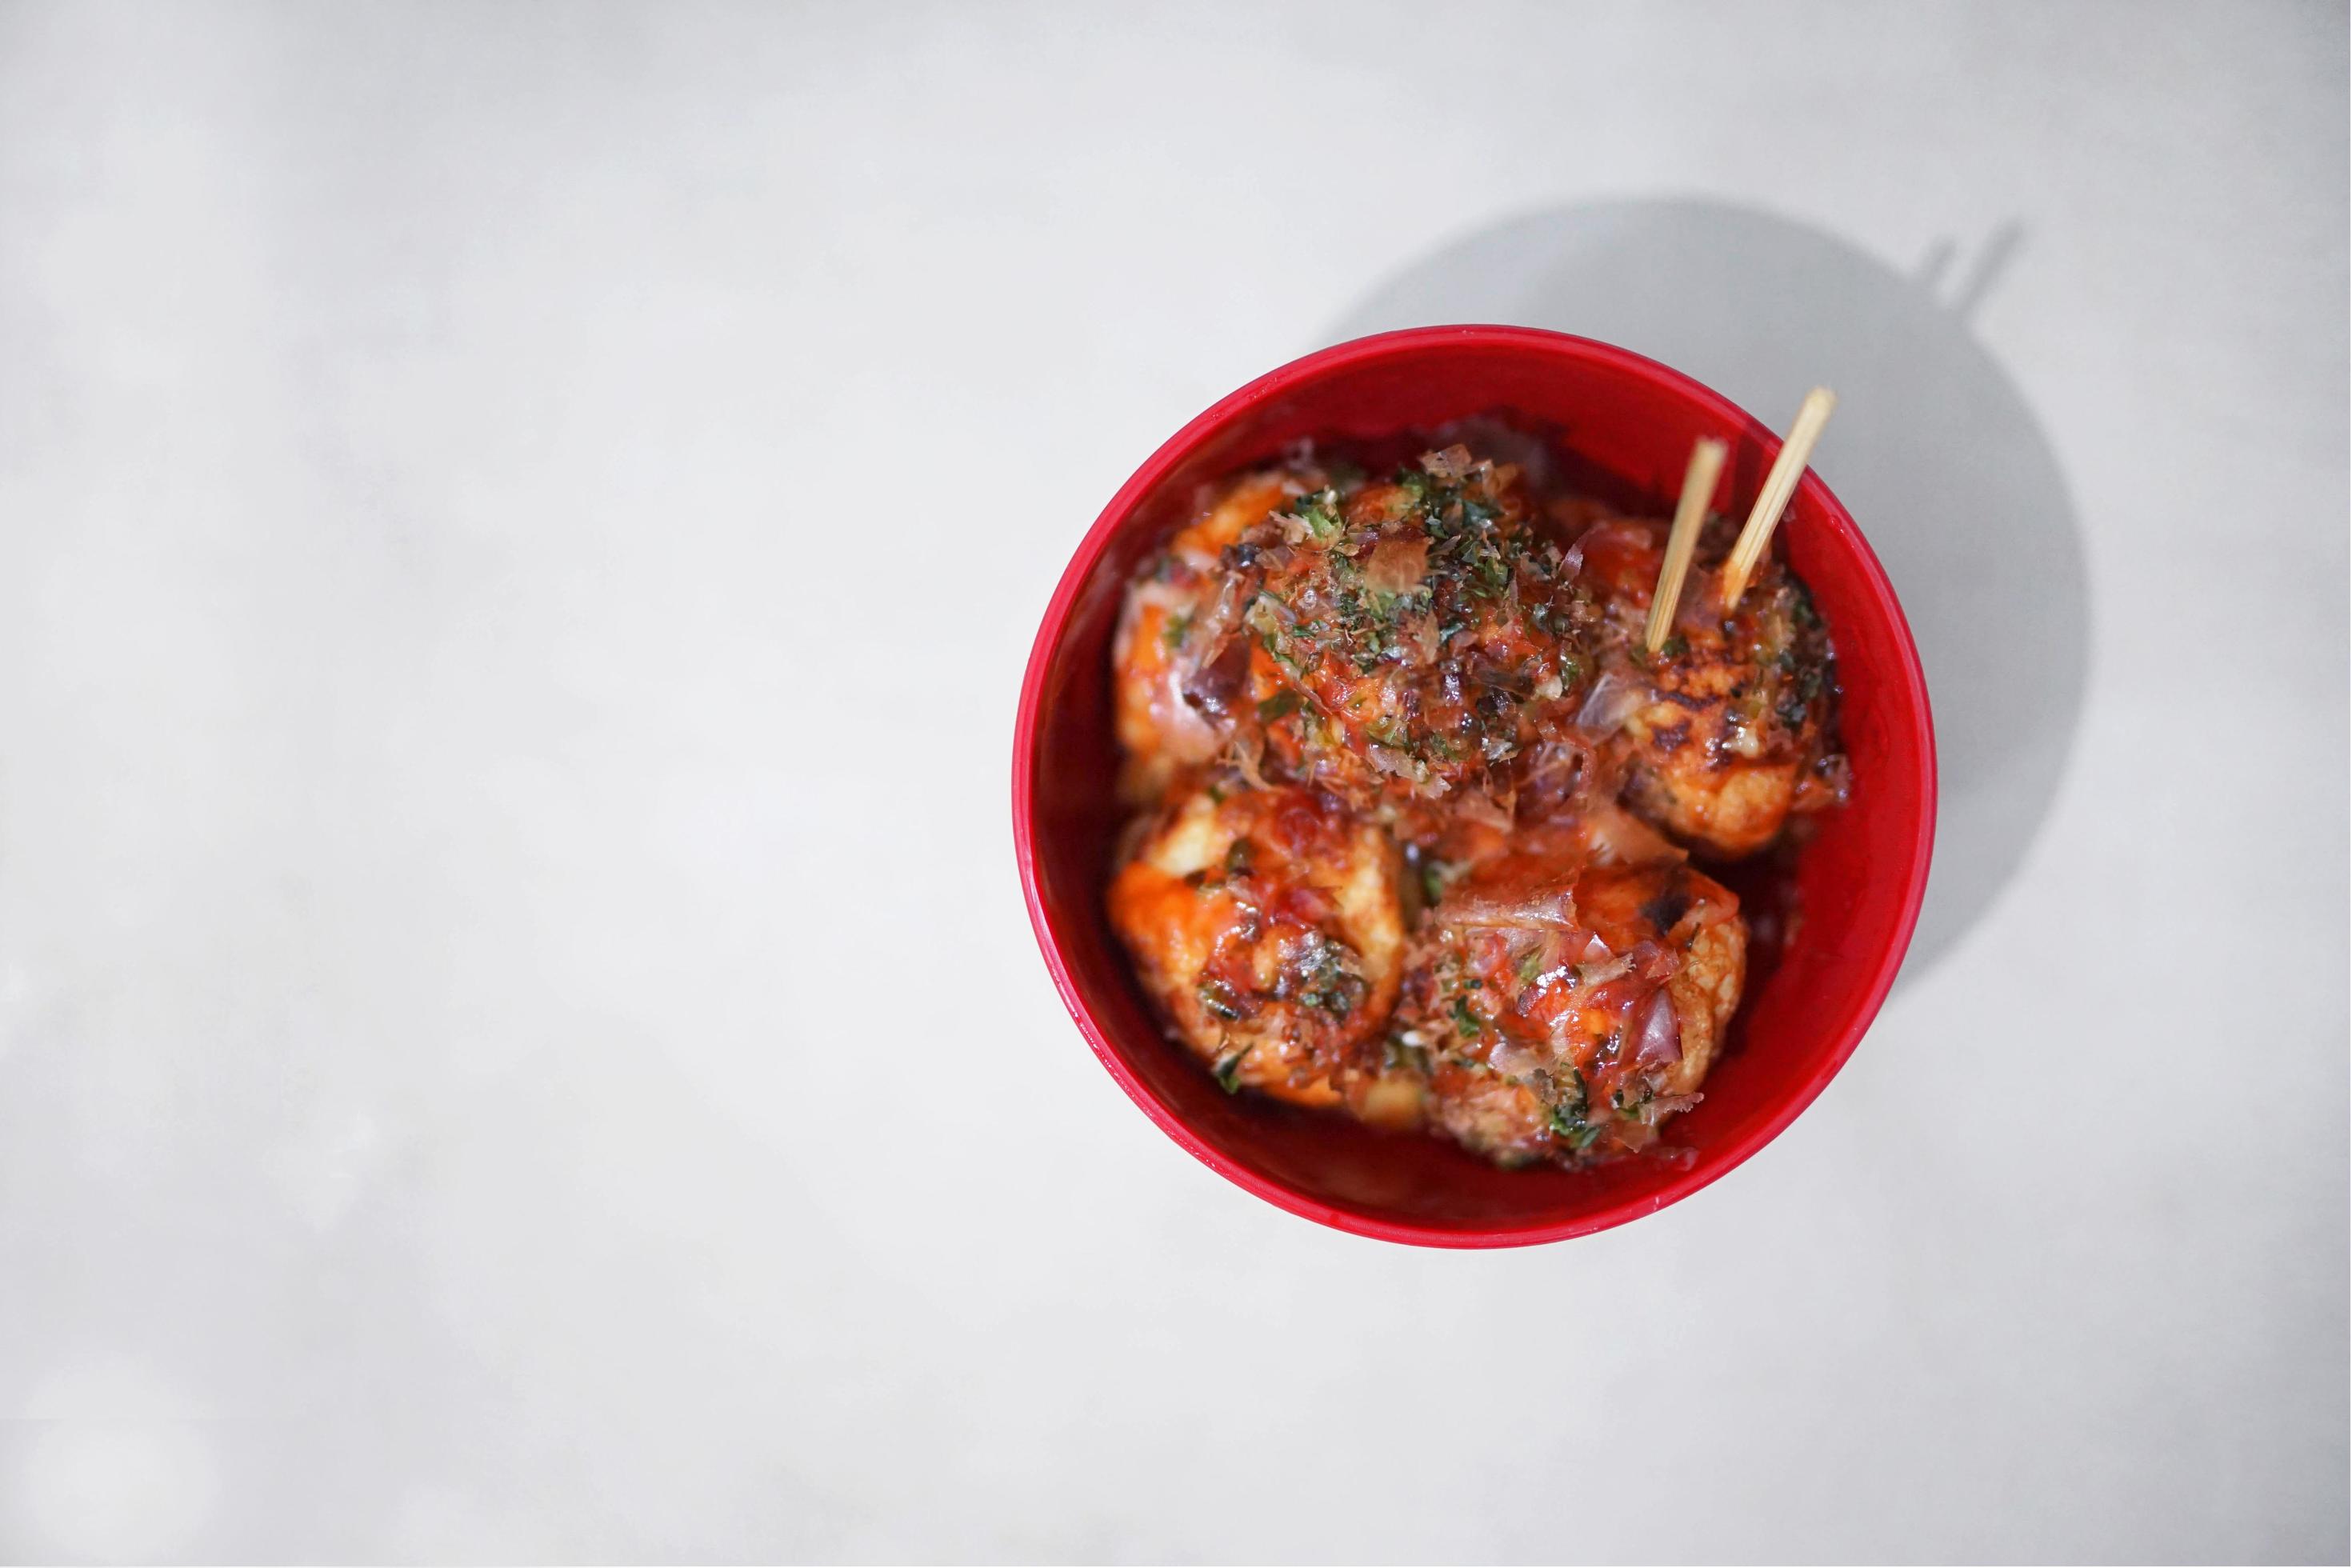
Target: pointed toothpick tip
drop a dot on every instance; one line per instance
(1706, 459)
(1779, 486)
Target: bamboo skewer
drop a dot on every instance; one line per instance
(1690, 512)
(1779, 485)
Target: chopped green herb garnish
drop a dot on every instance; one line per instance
(1576, 1133)
(1220, 1000)
(1400, 1053)
(1179, 627)
(1325, 979)
(1319, 510)
(1568, 1121)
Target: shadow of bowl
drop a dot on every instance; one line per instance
(1933, 449)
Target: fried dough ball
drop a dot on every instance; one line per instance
(1409, 638)
(1402, 643)
(1568, 1000)
(1264, 925)
(1175, 610)
(1725, 733)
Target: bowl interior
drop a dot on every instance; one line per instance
(1848, 898)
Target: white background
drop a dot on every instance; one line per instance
(519, 528)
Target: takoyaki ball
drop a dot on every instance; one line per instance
(1409, 637)
(1724, 731)
(1177, 607)
(1567, 1003)
(1264, 925)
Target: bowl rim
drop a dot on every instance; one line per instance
(1154, 470)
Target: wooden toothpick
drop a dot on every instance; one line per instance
(1779, 485)
(1690, 512)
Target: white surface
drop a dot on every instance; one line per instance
(518, 533)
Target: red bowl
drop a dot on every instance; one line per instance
(1626, 424)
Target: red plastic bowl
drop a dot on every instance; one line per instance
(1628, 424)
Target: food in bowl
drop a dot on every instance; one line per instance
(1422, 818)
